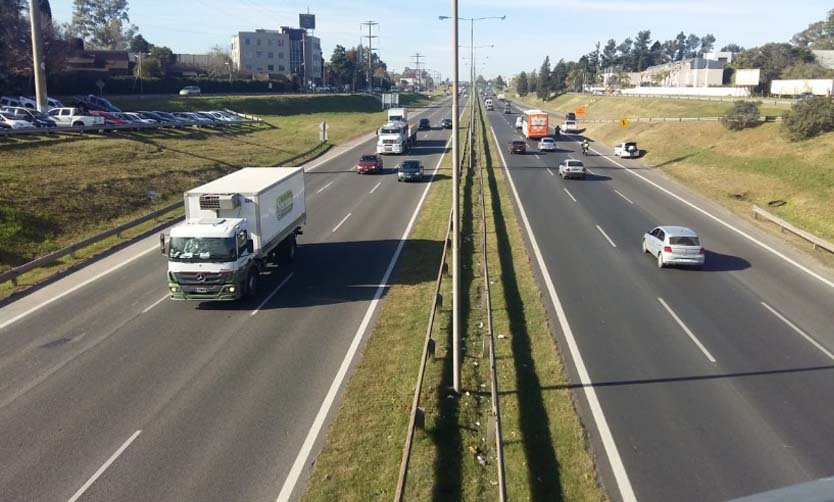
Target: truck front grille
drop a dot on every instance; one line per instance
(200, 278)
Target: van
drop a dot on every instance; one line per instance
(9, 101)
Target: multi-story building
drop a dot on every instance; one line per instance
(289, 51)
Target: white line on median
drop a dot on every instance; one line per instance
(686, 330)
(551, 172)
(104, 467)
(322, 189)
(154, 304)
(306, 448)
(569, 194)
(341, 223)
(623, 196)
(606, 236)
(538, 158)
(798, 330)
(375, 187)
(286, 280)
(608, 443)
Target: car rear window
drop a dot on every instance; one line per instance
(684, 241)
(518, 143)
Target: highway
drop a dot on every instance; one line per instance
(111, 392)
(694, 385)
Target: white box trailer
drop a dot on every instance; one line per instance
(233, 226)
(815, 86)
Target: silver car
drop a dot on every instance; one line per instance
(674, 246)
(547, 144)
(572, 168)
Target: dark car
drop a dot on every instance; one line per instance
(570, 116)
(410, 170)
(424, 125)
(518, 146)
(446, 123)
(369, 164)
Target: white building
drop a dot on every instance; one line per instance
(289, 51)
(723, 56)
(695, 72)
(824, 58)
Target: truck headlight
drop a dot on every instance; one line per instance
(231, 289)
(174, 289)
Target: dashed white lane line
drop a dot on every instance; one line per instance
(104, 467)
(341, 223)
(325, 187)
(686, 330)
(606, 236)
(623, 196)
(551, 172)
(375, 187)
(569, 194)
(154, 304)
(538, 158)
(286, 280)
(798, 330)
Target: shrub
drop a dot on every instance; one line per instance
(741, 115)
(810, 117)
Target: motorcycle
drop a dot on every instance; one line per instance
(584, 149)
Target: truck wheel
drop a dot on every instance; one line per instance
(252, 284)
(286, 254)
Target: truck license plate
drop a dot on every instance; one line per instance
(202, 290)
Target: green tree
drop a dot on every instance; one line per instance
(809, 117)
(818, 35)
(680, 47)
(543, 86)
(139, 44)
(803, 69)
(741, 115)
(522, 87)
(707, 43)
(499, 82)
(732, 47)
(625, 55)
(692, 44)
(341, 67)
(102, 24)
(559, 77)
(642, 51)
(609, 54)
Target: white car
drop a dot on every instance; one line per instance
(135, 117)
(627, 150)
(570, 126)
(518, 123)
(14, 121)
(547, 144)
(190, 90)
(674, 246)
(572, 168)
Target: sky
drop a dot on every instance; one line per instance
(532, 29)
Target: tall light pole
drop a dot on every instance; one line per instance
(455, 189)
(38, 66)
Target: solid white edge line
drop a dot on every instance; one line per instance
(77, 287)
(281, 285)
(623, 196)
(154, 304)
(549, 171)
(608, 443)
(307, 447)
(341, 223)
(104, 467)
(569, 194)
(375, 187)
(325, 187)
(686, 330)
(606, 236)
(798, 330)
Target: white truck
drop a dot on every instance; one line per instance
(233, 227)
(397, 115)
(627, 150)
(815, 86)
(74, 118)
(394, 138)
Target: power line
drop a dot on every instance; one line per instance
(370, 36)
(417, 64)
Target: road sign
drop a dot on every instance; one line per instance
(323, 127)
(623, 122)
(580, 112)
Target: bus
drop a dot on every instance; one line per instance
(535, 124)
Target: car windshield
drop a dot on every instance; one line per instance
(410, 166)
(202, 249)
(368, 158)
(547, 140)
(684, 241)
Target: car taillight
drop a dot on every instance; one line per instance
(701, 251)
(667, 249)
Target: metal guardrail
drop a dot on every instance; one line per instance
(247, 120)
(14, 273)
(766, 118)
(725, 99)
(784, 225)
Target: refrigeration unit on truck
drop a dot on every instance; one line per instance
(535, 124)
(234, 227)
(394, 137)
(397, 115)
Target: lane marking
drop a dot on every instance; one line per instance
(569, 194)
(798, 330)
(623, 196)
(104, 467)
(375, 187)
(537, 157)
(281, 285)
(341, 222)
(606, 236)
(608, 443)
(322, 189)
(154, 304)
(315, 429)
(77, 287)
(686, 330)
(551, 172)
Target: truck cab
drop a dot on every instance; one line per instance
(392, 138)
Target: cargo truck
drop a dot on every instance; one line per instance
(394, 138)
(397, 115)
(234, 226)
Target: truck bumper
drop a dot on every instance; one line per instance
(225, 292)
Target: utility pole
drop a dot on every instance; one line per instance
(370, 37)
(455, 203)
(419, 71)
(38, 66)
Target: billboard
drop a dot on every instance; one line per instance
(307, 21)
(748, 77)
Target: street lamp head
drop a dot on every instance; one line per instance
(443, 17)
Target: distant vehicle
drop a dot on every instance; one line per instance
(502, 97)
(570, 126)
(518, 146)
(547, 144)
(15, 122)
(519, 122)
(572, 168)
(37, 118)
(109, 118)
(627, 150)
(369, 164)
(674, 246)
(394, 138)
(425, 125)
(93, 102)
(170, 117)
(535, 124)
(234, 226)
(230, 117)
(397, 115)
(156, 117)
(29, 102)
(138, 118)
(570, 116)
(446, 123)
(9, 101)
(488, 104)
(508, 108)
(190, 90)
(74, 117)
(185, 117)
(410, 170)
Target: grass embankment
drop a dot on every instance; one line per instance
(545, 449)
(735, 168)
(55, 190)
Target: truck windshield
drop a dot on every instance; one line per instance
(197, 249)
(386, 130)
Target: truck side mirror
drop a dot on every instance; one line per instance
(162, 244)
(250, 246)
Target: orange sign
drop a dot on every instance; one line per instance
(580, 112)
(623, 122)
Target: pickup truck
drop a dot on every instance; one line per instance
(73, 117)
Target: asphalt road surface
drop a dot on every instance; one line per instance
(695, 385)
(111, 392)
